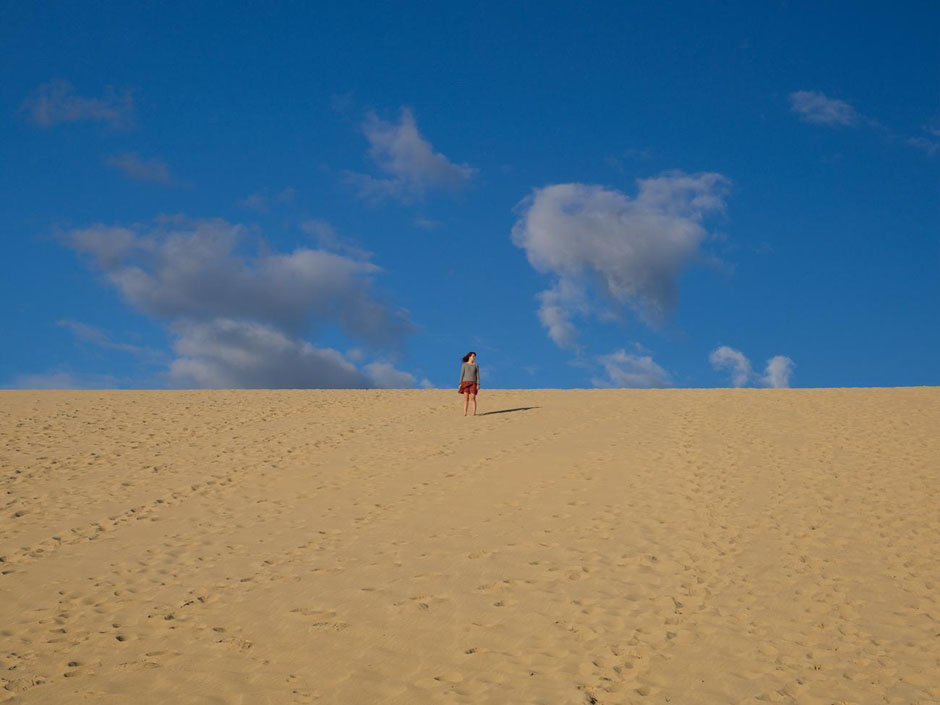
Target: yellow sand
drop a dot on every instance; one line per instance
(357, 547)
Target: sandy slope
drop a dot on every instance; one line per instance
(733, 546)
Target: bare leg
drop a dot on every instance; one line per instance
(466, 400)
(473, 403)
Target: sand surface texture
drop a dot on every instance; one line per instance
(730, 546)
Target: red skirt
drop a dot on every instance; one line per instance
(468, 387)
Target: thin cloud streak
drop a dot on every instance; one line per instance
(58, 102)
(99, 338)
(816, 107)
(132, 166)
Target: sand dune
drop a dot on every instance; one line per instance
(713, 546)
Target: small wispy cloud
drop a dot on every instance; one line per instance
(96, 336)
(776, 373)
(817, 107)
(427, 223)
(262, 201)
(62, 379)
(57, 102)
(133, 167)
(409, 165)
(328, 239)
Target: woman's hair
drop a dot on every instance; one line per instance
(466, 358)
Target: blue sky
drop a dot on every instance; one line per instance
(695, 194)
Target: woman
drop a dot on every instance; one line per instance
(469, 381)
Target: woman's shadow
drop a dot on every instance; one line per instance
(508, 411)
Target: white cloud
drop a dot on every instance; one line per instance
(57, 101)
(724, 357)
(62, 379)
(96, 336)
(195, 271)
(242, 320)
(813, 106)
(776, 373)
(557, 306)
(255, 202)
(328, 239)
(924, 144)
(409, 163)
(385, 376)
(106, 244)
(139, 169)
(816, 107)
(636, 371)
(629, 250)
(427, 223)
(261, 201)
(225, 353)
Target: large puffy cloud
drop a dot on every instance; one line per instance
(57, 101)
(193, 270)
(225, 353)
(630, 250)
(623, 369)
(240, 320)
(776, 373)
(409, 162)
(814, 106)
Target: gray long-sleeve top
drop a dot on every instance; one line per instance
(470, 372)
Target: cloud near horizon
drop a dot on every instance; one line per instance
(625, 370)
(57, 102)
(99, 338)
(242, 321)
(226, 353)
(629, 251)
(408, 161)
(776, 374)
(62, 379)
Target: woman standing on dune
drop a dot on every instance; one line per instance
(469, 381)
